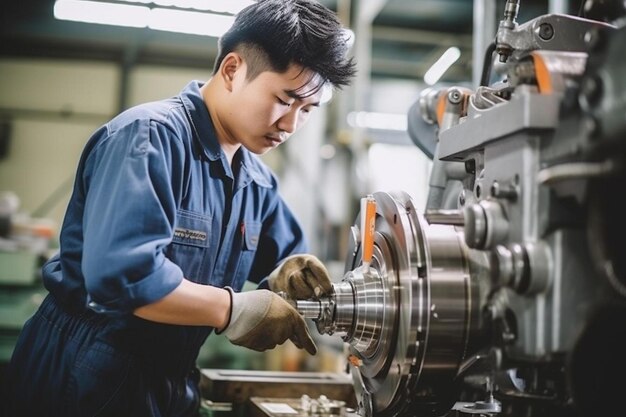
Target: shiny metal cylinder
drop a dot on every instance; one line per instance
(344, 309)
(309, 309)
(450, 217)
(369, 306)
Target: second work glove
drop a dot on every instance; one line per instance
(301, 277)
(260, 320)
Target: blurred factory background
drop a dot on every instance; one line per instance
(61, 79)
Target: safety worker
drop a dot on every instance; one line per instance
(171, 212)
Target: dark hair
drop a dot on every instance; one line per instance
(273, 34)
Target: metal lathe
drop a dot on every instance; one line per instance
(506, 295)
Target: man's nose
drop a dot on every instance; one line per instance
(289, 122)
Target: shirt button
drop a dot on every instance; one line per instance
(96, 307)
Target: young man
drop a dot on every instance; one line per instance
(170, 215)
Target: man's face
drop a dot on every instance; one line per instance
(267, 110)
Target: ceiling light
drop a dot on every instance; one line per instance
(104, 13)
(196, 23)
(444, 62)
(159, 18)
(220, 6)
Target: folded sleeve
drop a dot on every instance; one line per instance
(129, 215)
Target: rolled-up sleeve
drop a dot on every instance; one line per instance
(129, 215)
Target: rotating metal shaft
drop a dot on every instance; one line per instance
(354, 310)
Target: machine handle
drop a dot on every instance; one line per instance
(368, 226)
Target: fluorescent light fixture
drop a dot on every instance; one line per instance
(381, 121)
(220, 6)
(195, 23)
(446, 60)
(173, 20)
(104, 13)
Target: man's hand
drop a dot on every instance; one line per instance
(260, 320)
(301, 277)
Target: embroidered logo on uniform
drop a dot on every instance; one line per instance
(190, 234)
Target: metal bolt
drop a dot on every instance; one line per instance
(509, 192)
(546, 31)
(455, 96)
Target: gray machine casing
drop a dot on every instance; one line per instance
(507, 294)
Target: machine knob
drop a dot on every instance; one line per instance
(524, 268)
(486, 224)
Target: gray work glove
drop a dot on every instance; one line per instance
(301, 277)
(260, 320)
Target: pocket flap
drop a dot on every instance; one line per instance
(192, 229)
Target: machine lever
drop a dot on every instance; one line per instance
(368, 226)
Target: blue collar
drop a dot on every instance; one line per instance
(202, 125)
(204, 131)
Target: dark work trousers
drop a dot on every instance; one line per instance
(62, 367)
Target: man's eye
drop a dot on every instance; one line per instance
(284, 103)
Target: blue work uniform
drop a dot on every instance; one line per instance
(154, 200)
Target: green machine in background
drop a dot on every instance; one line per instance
(21, 292)
(24, 245)
(18, 298)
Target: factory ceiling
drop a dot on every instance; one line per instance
(407, 36)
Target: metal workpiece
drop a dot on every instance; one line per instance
(312, 309)
(355, 310)
(371, 302)
(333, 314)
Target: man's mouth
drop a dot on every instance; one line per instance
(275, 138)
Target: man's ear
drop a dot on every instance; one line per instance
(230, 65)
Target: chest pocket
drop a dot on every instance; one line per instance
(191, 244)
(250, 242)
